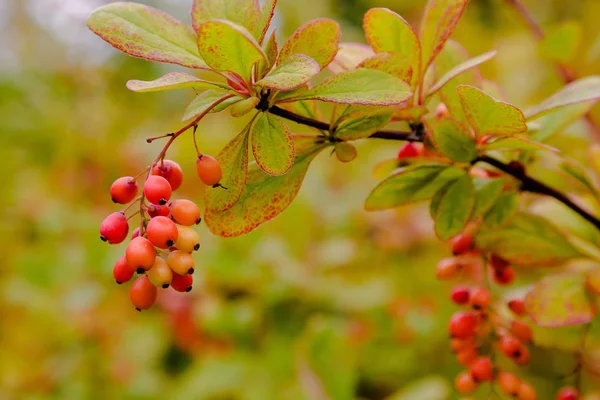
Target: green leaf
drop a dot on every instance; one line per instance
(459, 69)
(487, 192)
(145, 32)
(272, 144)
(489, 116)
(560, 300)
(386, 31)
(581, 90)
(241, 12)
(453, 139)
(517, 143)
(360, 86)
(455, 208)
(561, 42)
(345, 152)
(558, 120)
(264, 197)
(412, 184)
(170, 81)
(291, 73)
(576, 171)
(226, 46)
(272, 51)
(318, 39)
(438, 23)
(244, 107)
(432, 387)
(358, 121)
(527, 240)
(503, 209)
(437, 198)
(205, 100)
(264, 20)
(348, 57)
(394, 64)
(234, 163)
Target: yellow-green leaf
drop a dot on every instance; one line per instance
(292, 72)
(272, 51)
(318, 39)
(505, 206)
(358, 121)
(581, 90)
(455, 207)
(392, 63)
(517, 143)
(264, 20)
(272, 144)
(241, 12)
(453, 139)
(205, 100)
(244, 107)
(170, 81)
(345, 152)
(489, 116)
(145, 32)
(226, 46)
(487, 192)
(349, 56)
(560, 300)
(562, 42)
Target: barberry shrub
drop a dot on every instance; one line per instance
(467, 151)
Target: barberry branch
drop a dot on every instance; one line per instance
(417, 134)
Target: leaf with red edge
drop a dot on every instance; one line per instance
(145, 32)
(438, 23)
(293, 72)
(348, 57)
(241, 12)
(317, 39)
(488, 116)
(579, 91)
(170, 81)
(264, 20)
(264, 197)
(592, 280)
(394, 64)
(272, 144)
(226, 46)
(387, 31)
(272, 51)
(560, 300)
(358, 121)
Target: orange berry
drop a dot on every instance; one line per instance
(464, 383)
(524, 357)
(162, 232)
(522, 331)
(480, 298)
(467, 356)
(482, 369)
(509, 383)
(160, 274)
(123, 190)
(181, 262)
(459, 344)
(517, 306)
(462, 324)
(447, 268)
(142, 293)
(140, 254)
(511, 346)
(185, 212)
(209, 170)
(187, 239)
(526, 392)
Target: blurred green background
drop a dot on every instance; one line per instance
(326, 298)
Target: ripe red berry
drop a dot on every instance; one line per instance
(509, 383)
(160, 274)
(522, 331)
(482, 369)
(447, 268)
(567, 393)
(517, 306)
(460, 295)
(480, 298)
(187, 239)
(171, 171)
(408, 150)
(467, 356)
(459, 345)
(464, 383)
(181, 262)
(142, 293)
(511, 346)
(114, 228)
(462, 324)
(504, 276)
(209, 170)
(122, 271)
(182, 283)
(123, 190)
(140, 254)
(135, 233)
(526, 392)
(462, 243)
(157, 190)
(497, 262)
(524, 357)
(162, 232)
(185, 212)
(154, 210)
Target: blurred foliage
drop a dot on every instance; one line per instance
(325, 298)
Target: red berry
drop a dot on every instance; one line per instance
(408, 150)
(462, 324)
(526, 392)
(122, 271)
(504, 276)
(464, 383)
(114, 228)
(140, 254)
(142, 293)
(509, 383)
(511, 346)
(123, 190)
(522, 331)
(467, 356)
(135, 233)
(460, 295)
(567, 393)
(524, 357)
(209, 170)
(182, 283)
(154, 210)
(171, 171)
(185, 212)
(480, 298)
(482, 369)
(517, 306)
(157, 190)
(497, 262)
(462, 243)
(162, 232)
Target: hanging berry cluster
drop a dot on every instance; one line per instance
(160, 249)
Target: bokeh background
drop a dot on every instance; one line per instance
(325, 298)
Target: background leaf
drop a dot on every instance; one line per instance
(561, 42)
(317, 39)
(291, 73)
(581, 90)
(170, 81)
(455, 207)
(145, 32)
(453, 139)
(517, 143)
(272, 144)
(241, 12)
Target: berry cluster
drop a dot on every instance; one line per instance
(160, 249)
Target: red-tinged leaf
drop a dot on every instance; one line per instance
(560, 300)
(145, 32)
(234, 163)
(172, 80)
(349, 56)
(358, 121)
(488, 116)
(386, 31)
(291, 73)
(592, 280)
(272, 144)
(317, 39)
(205, 100)
(360, 86)
(459, 69)
(264, 197)
(226, 46)
(453, 139)
(241, 12)
(438, 23)
(579, 91)
(264, 20)
(392, 63)
(272, 51)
